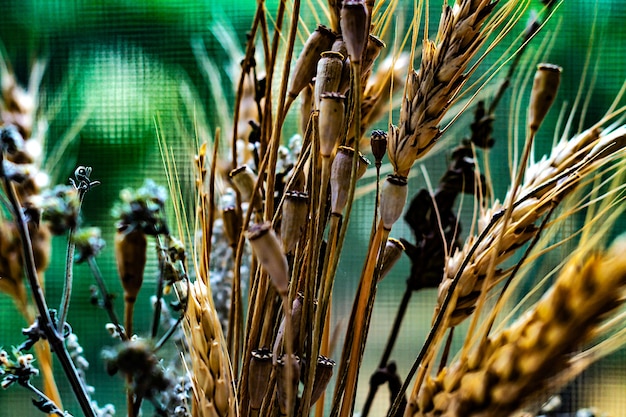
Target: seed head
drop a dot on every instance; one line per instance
(320, 40)
(392, 200)
(266, 247)
(331, 119)
(545, 87)
(354, 28)
(340, 176)
(328, 76)
(295, 209)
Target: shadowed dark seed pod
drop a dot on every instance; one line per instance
(392, 199)
(378, 143)
(259, 376)
(323, 374)
(231, 218)
(282, 383)
(294, 216)
(392, 253)
(340, 176)
(545, 87)
(330, 122)
(320, 40)
(266, 247)
(328, 76)
(354, 21)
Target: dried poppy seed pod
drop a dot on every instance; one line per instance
(391, 254)
(340, 177)
(392, 199)
(354, 22)
(130, 256)
(294, 216)
(374, 46)
(378, 143)
(244, 180)
(282, 383)
(306, 108)
(323, 374)
(231, 217)
(266, 247)
(320, 40)
(328, 76)
(545, 87)
(330, 122)
(259, 376)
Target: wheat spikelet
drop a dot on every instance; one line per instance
(214, 393)
(519, 362)
(429, 91)
(546, 183)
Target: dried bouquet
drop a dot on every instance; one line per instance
(243, 300)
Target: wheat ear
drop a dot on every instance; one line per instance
(520, 361)
(429, 91)
(214, 392)
(546, 183)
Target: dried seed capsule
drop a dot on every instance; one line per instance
(130, 256)
(266, 247)
(340, 177)
(306, 108)
(328, 76)
(231, 217)
(354, 28)
(282, 384)
(545, 87)
(374, 46)
(259, 376)
(392, 199)
(244, 179)
(330, 122)
(378, 143)
(320, 40)
(391, 255)
(295, 209)
(323, 373)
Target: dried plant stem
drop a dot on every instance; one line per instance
(106, 297)
(69, 268)
(47, 326)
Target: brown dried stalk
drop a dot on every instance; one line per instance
(520, 361)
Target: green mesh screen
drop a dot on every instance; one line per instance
(121, 73)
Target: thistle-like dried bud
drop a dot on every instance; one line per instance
(231, 218)
(295, 209)
(545, 87)
(282, 383)
(392, 200)
(266, 247)
(391, 255)
(340, 177)
(244, 180)
(328, 76)
(259, 376)
(323, 373)
(354, 27)
(320, 40)
(378, 143)
(330, 122)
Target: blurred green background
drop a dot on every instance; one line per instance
(119, 72)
